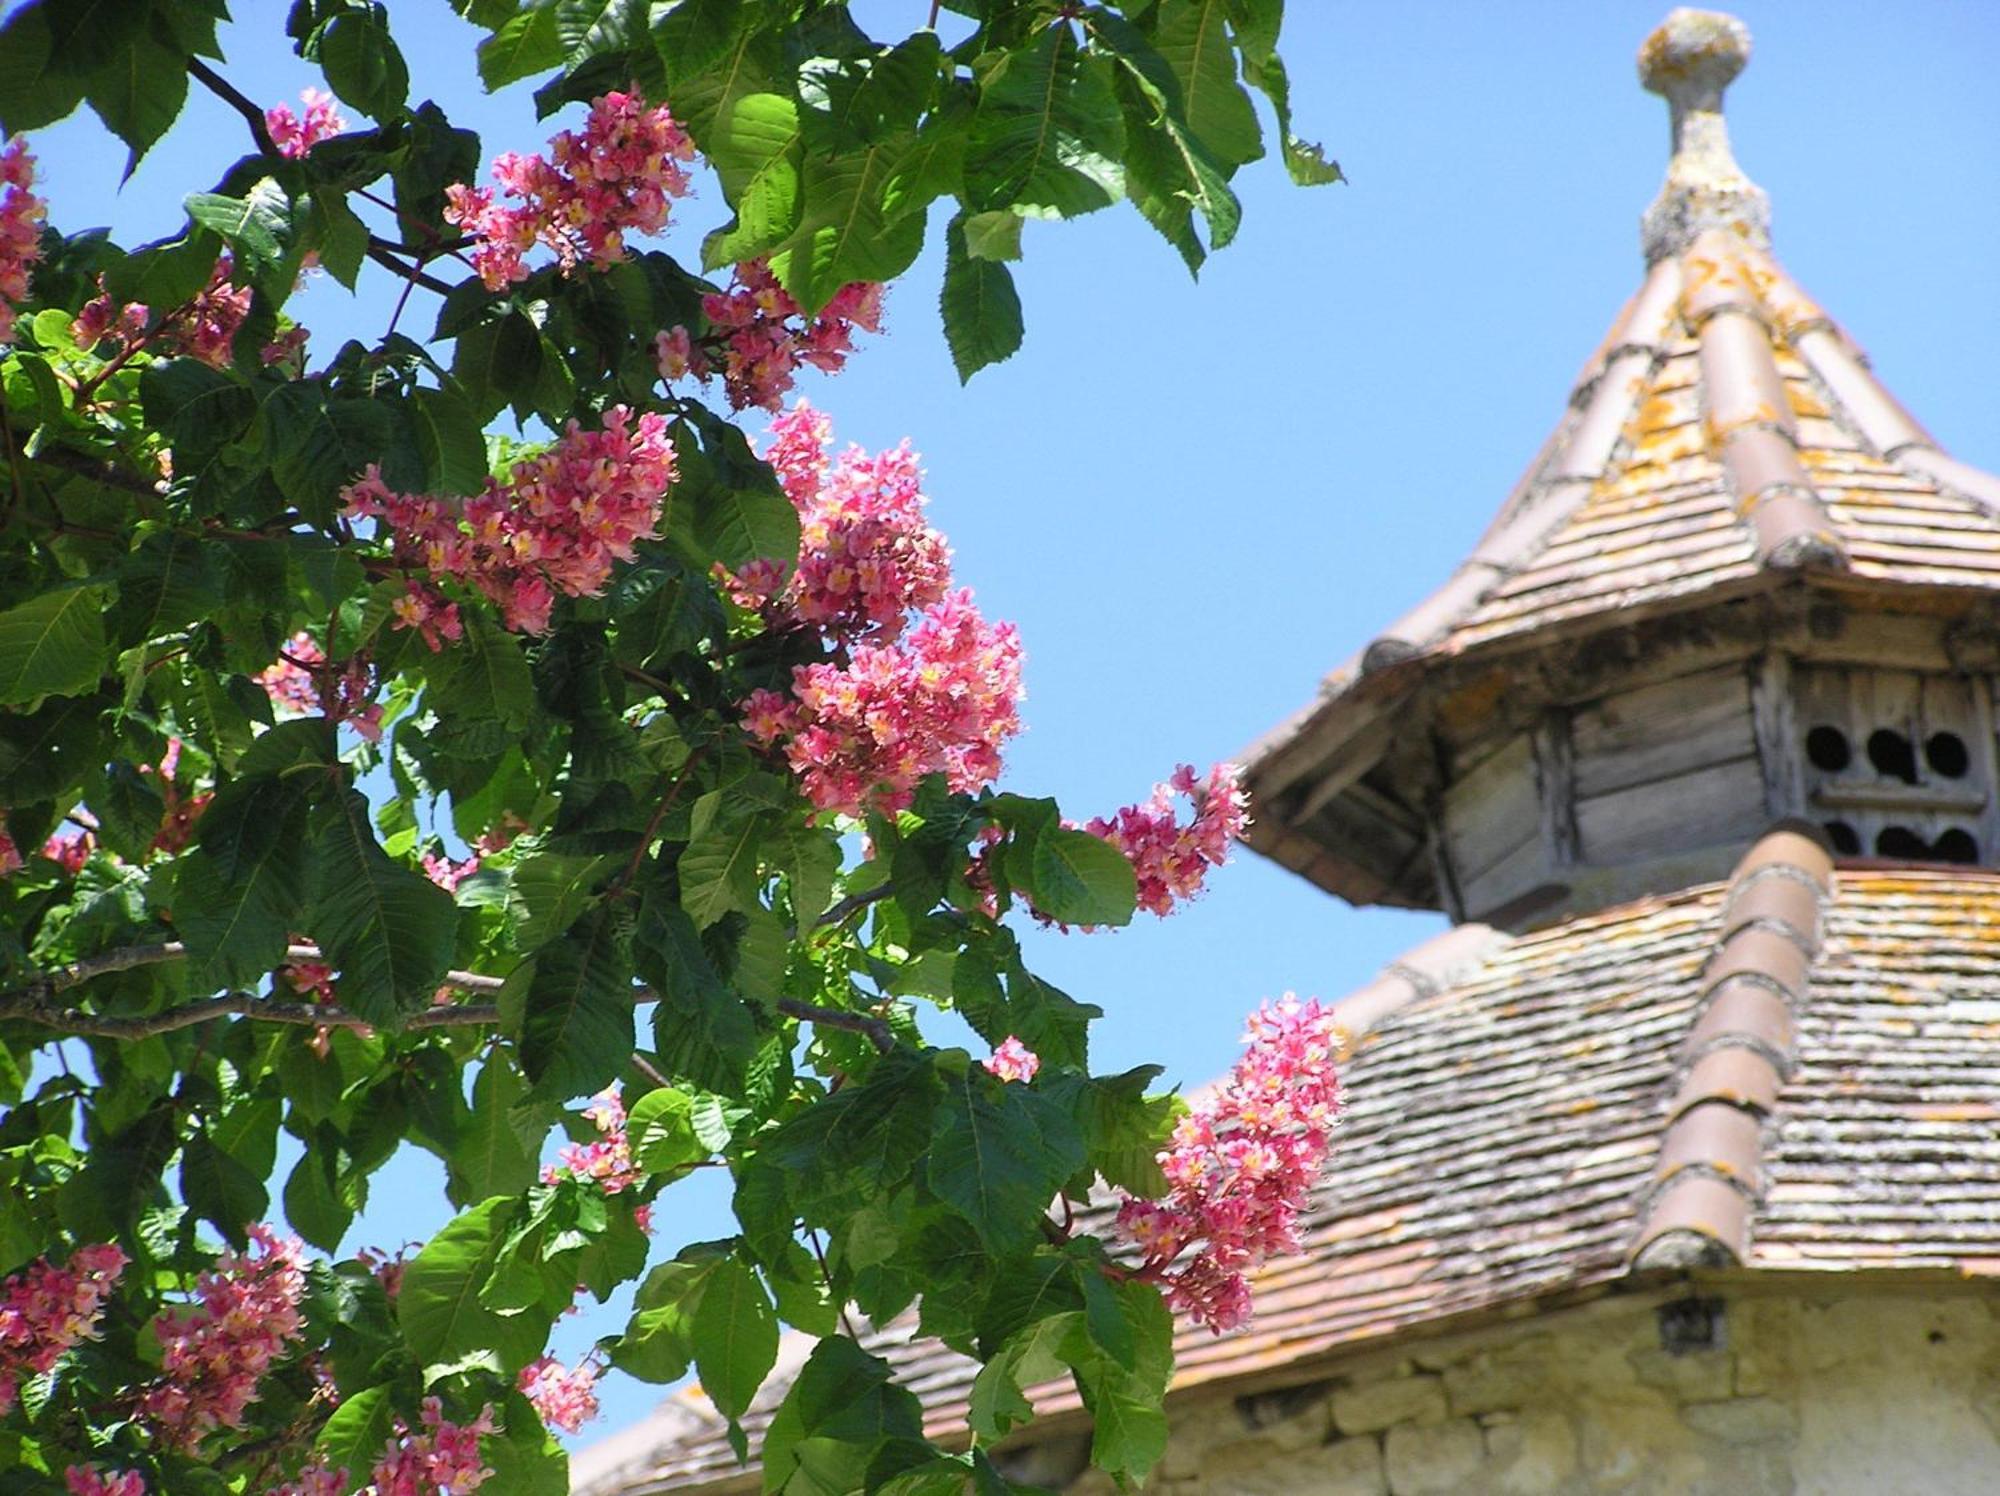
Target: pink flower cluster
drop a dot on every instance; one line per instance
(557, 524)
(300, 682)
(203, 328)
(216, 1353)
(45, 1309)
(1172, 859)
(616, 177)
(294, 136)
(609, 1159)
(88, 1480)
(1242, 1165)
(866, 556)
(565, 1397)
(179, 811)
(314, 1479)
(942, 698)
(70, 850)
(10, 855)
(1013, 1060)
(21, 214)
(442, 1460)
(758, 336)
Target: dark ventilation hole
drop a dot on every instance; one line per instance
(1903, 843)
(1890, 752)
(1955, 845)
(1843, 838)
(1946, 754)
(1826, 748)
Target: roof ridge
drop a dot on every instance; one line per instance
(1698, 1204)
(1443, 961)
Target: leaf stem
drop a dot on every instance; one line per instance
(236, 99)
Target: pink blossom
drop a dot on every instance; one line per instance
(70, 849)
(88, 1480)
(103, 318)
(617, 177)
(758, 336)
(566, 1399)
(388, 1271)
(45, 1309)
(10, 855)
(866, 556)
(1013, 1060)
(180, 811)
(294, 136)
(943, 699)
(21, 214)
(559, 523)
(206, 327)
(442, 1460)
(313, 1479)
(609, 1159)
(1242, 1165)
(1172, 859)
(300, 681)
(215, 1353)
(448, 874)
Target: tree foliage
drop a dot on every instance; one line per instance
(350, 841)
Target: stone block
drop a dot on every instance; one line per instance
(1292, 1419)
(1350, 1467)
(1431, 1458)
(1741, 1420)
(1531, 1454)
(1693, 1376)
(1487, 1383)
(1379, 1405)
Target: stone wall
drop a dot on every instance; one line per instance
(1754, 1394)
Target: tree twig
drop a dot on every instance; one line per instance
(878, 1031)
(380, 252)
(109, 474)
(852, 902)
(236, 99)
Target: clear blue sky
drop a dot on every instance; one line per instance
(1196, 499)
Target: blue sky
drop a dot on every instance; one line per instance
(1195, 499)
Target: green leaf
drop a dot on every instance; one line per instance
(577, 1032)
(483, 677)
(34, 89)
(809, 856)
(1256, 23)
(138, 91)
(999, 1153)
(356, 1432)
(499, 1144)
(120, 1178)
(738, 523)
(448, 436)
(221, 1190)
(662, 1132)
(317, 444)
(363, 66)
(340, 238)
(444, 1323)
(195, 407)
(703, 1034)
(1031, 1356)
(718, 871)
(551, 891)
(735, 1337)
(982, 312)
(992, 236)
(257, 226)
(1193, 37)
(245, 888)
(169, 580)
(658, 1344)
(52, 645)
(1048, 136)
(843, 1406)
(320, 1206)
(525, 1458)
(526, 45)
(754, 148)
(846, 232)
(387, 929)
(1081, 879)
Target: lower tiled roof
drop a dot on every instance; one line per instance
(1503, 1133)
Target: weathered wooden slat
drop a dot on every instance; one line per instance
(1491, 812)
(1780, 748)
(1662, 731)
(1712, 804)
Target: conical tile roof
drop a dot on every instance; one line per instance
(1726, 438)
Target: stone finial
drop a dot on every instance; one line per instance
(1689, 60)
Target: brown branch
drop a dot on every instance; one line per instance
(236, 99)
(852, 902)
(109, 474)
(380, 252)
(34, 1002)
(878, 1031)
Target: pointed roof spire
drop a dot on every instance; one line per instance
(1689, 60)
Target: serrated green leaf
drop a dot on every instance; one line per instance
(387, 929)
(1081, 879)
(718, 871)
(702, 1033)
(138, 90)
(577, 1030)
(363, 66)
(35, 89)
(1047, 137)
(448, 436)
(735, 524)
(981, 310)
(1193, 36)
(735, 1335)
(356, 1432)
(846, 232)
(256, 225)
(660, 1126)
(52, 645)
(444, 1323)
(483, 677)
(195, 407)
(754, 146)
(999, 1153)
(247, 882)
(999, 1398)
(221, 1190)
(498, 1147)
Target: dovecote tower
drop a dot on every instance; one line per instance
(1673, 1166)
(1739, 583)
